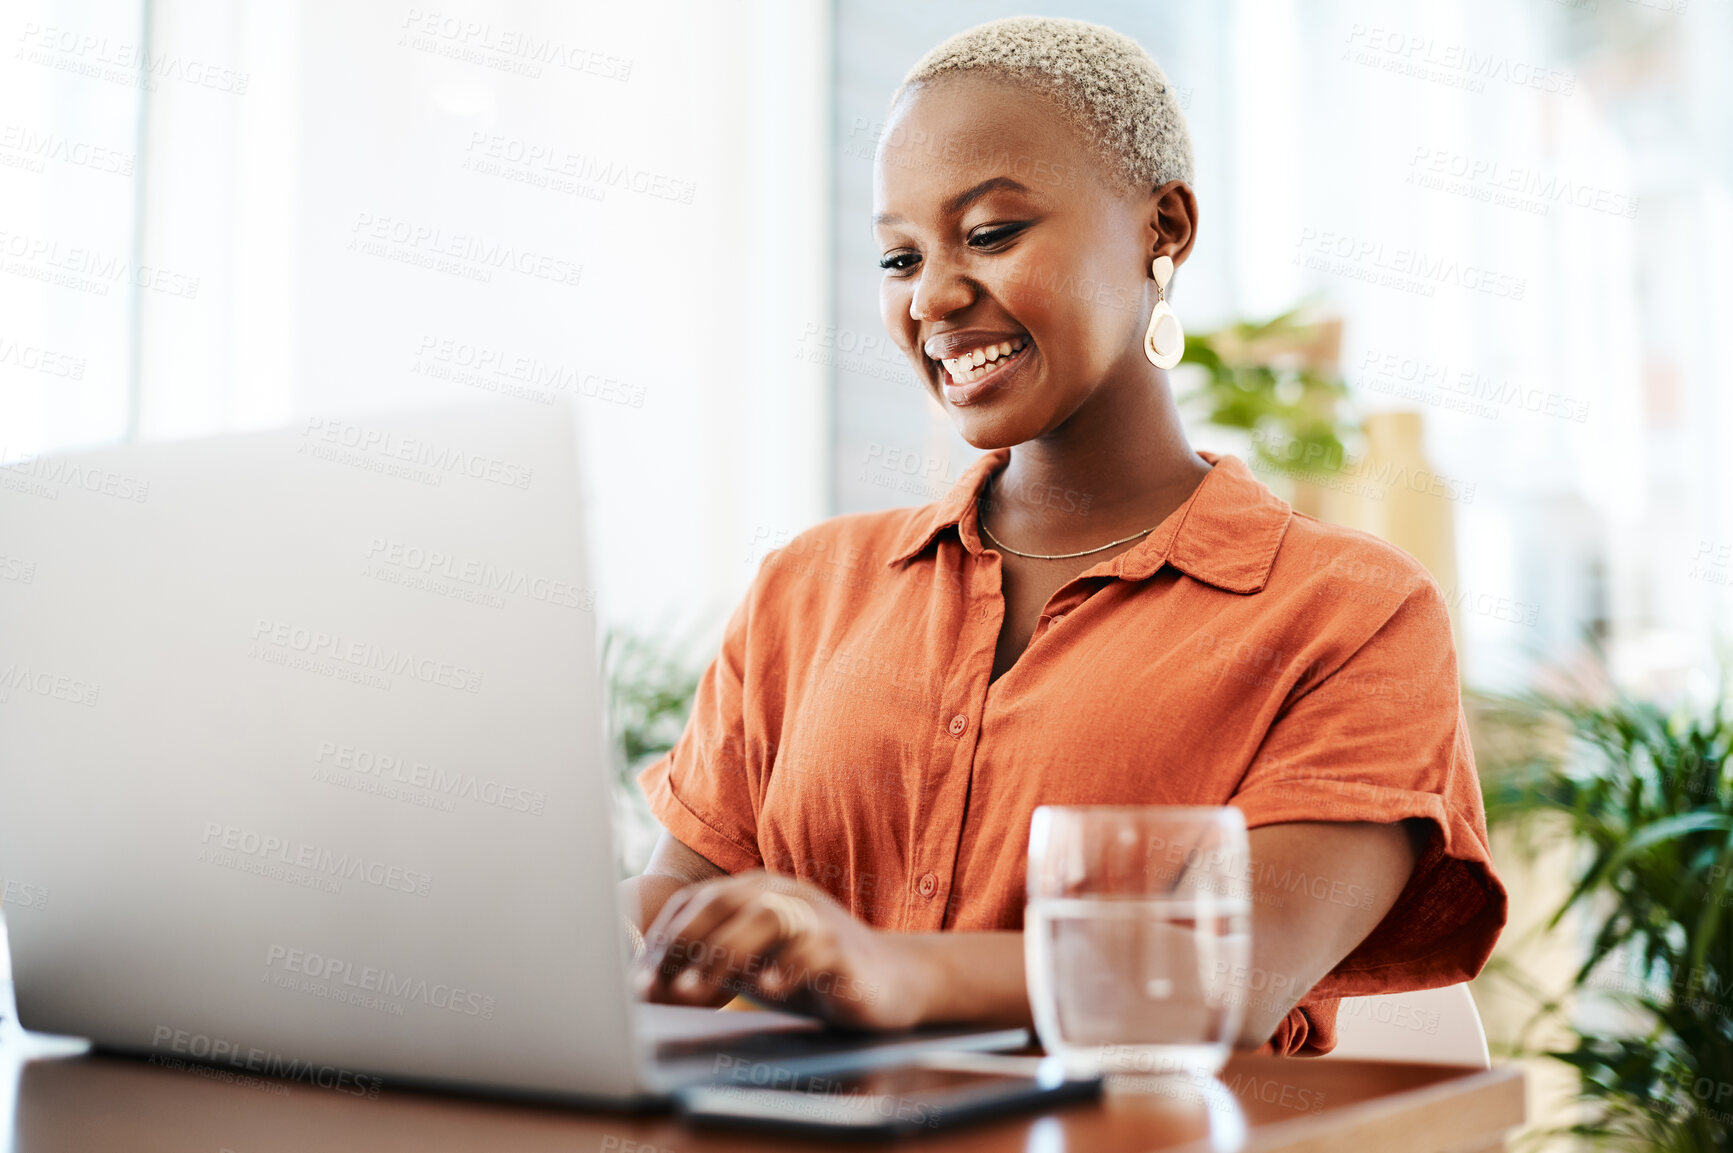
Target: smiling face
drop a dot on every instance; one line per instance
(1016, 274)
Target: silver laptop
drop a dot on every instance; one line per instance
(303, 769)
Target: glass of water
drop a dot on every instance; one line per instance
(1137, 935)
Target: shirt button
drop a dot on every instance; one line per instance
(958, 724)
(927, 885)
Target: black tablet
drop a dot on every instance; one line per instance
(935, 1091)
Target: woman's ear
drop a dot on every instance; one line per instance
(1172, 221)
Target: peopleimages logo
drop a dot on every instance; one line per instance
(24, 679)
(497, 369)
(35, 358)
(76, 474)
(386, 769)
(39, 146)
(316, 644)
(15, 569)
(481, 575)
(471, 257)
(87, 269)
(203, 1047)
(504, 48)
(20, 895)
(249, 851)
(328, 440)
(372, 979)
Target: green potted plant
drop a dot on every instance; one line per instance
(1276, 379)
(1645, 794)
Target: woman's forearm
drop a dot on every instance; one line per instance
(978, 978)
(1319, 889)
(642, 897)
(974, 978)
(672, 866)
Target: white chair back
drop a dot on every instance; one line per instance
(1428, 1027)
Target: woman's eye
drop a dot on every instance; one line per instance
(987, 237)
(981, 238)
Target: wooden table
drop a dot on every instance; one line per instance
(93, 1102)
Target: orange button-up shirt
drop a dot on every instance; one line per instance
(1241, 654)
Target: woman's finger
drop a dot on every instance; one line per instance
(753, 932)
(738, 951)
(706, 906)
(656, 937)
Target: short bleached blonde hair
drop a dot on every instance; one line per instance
(1102, 82)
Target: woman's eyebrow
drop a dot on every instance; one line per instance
(962, 200)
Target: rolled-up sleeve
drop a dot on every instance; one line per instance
(1382, 737)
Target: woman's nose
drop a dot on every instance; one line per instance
(940, 289)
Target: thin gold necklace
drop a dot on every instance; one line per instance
(982, 522)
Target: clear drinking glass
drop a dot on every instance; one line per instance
(1137, 935)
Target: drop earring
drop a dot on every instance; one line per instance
(1164, 343)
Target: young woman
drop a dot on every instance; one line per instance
(1095, 614)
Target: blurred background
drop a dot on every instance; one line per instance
(1519, 214)
(1456, 282)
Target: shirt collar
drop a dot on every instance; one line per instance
(1225, 534)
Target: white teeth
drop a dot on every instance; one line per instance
(969, 366)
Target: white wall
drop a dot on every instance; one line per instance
(694, 206)
(67, 189)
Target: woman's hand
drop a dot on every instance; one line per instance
(785, 943)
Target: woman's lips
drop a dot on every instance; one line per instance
(1005, 367)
